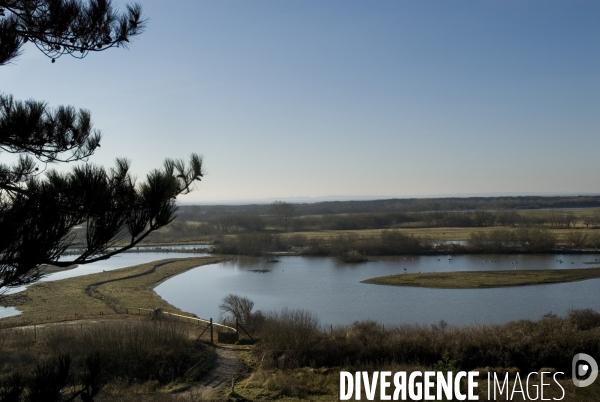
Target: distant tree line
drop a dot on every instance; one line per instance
(206, 213)
(350, 247)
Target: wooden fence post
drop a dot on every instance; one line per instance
(237, 332)
(211, 331)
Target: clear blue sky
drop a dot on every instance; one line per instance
(346, 98)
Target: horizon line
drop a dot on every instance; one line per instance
(334, 198)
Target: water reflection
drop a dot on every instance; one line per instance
(333, 291)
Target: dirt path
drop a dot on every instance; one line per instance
(216, 384)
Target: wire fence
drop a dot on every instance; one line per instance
(225, 333)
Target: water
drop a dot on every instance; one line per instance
(8, 312)
(118, 261)
(334, 292)
(172, 247)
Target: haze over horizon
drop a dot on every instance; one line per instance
(350, 99)
(312, 200)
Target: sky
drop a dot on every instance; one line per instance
(310, 100)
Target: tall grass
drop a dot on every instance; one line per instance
(94, 355)
(156, 350)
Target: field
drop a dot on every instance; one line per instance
(486, 279)
(561, 223)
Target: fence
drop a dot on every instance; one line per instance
(225, 337)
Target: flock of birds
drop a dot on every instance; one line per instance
(512, 263)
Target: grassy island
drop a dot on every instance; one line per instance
(486, 279)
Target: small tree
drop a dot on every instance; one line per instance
(238, 307)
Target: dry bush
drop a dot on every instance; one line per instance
(288, 337)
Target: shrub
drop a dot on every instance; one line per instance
(240, 308)
(288, 336)
(584, 319)
(352, 256)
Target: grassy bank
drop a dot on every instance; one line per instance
(102, 293)
(486, 279)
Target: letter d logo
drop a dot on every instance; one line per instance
(580, 370)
